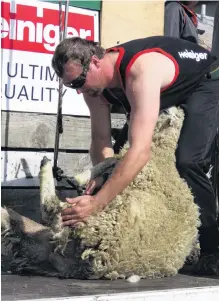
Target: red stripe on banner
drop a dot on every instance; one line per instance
(23, 30)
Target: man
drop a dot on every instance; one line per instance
(180, 20)
(154, 73)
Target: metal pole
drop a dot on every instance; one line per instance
(203, 12)
(59, 128)
(66, 18)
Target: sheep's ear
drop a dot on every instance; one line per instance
(167, 119)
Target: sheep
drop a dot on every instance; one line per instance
(148, 230)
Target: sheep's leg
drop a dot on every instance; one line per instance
(106, 166)
(11, 221)
(18, 229)
(49, 202)
(50, 205)
(26, 245)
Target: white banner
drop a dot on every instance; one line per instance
(29, 35)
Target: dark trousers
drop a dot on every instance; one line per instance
(193, 156)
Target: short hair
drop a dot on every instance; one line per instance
(76, 49)
(186, 3)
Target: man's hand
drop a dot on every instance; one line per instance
(82, 208)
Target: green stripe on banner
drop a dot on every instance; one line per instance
(92, 4)
(96, 5)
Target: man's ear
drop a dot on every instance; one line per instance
(95, 61)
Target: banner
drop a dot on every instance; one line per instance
(29, 35)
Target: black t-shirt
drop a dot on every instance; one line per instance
(191, 62)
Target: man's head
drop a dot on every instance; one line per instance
(190, 4)
(79, 63)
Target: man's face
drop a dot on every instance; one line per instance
(192, 4)
(88, 80)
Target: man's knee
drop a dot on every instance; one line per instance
(182, 164)
(184, 161)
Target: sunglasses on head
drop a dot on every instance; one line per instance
(79, 81)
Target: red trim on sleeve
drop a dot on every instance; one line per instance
(121, 51)
(162, 52)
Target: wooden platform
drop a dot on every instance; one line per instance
(178, 288)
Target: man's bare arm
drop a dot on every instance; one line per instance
(143, 84)
(101, 145)
(143, 91)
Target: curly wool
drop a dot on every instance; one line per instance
(149, 229)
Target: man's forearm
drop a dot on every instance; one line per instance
(125, 171)
(98, 153)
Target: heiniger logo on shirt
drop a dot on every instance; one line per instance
(193, 55)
